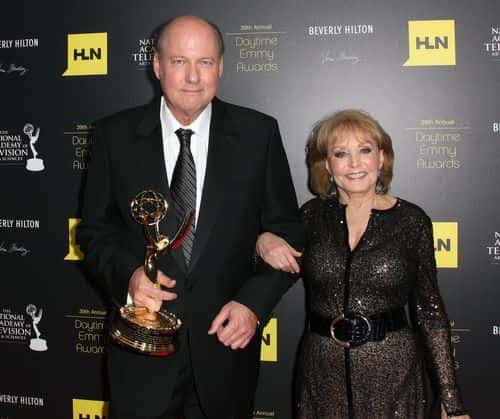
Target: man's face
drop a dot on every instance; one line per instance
(189, 67)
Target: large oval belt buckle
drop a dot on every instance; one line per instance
(359, 338)
(338, 319)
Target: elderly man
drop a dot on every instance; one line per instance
(241, 186)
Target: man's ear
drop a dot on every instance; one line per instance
(156, 66)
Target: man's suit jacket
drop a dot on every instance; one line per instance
(248, 189)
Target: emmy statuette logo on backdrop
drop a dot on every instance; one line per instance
(34, 164)
(36, 344)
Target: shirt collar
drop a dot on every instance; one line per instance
(198, 126)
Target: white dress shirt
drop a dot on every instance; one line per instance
(199, 148)
(199, 145)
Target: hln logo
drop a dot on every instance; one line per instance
(90, 409)
(74, 252)
(431, 42)
(82, 54)
(446, 244)
(87, 54)
(269, 348)
(426, 42)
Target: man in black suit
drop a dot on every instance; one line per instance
(243, 187)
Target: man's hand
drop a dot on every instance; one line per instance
(235, 325)
(144, 293)
(278, 253)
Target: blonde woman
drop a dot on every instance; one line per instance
(367, 262)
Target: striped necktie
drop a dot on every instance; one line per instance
(183, 186)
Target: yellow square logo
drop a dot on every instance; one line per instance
(74, 252)
(90, 409)
(431, 42)
(87, 54)
(446, 244)
(269, 348)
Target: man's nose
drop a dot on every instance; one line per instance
(192, 75)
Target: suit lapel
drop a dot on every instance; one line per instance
(149, 154)
(221, 144)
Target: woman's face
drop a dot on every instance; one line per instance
(354, 161)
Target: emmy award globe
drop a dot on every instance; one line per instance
(138, 328)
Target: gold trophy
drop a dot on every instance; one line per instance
(138, 328)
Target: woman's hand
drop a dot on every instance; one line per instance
(445, 416)
(277, 252)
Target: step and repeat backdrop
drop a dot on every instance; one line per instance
(429, 71)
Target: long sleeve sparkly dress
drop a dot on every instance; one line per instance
(393, 266)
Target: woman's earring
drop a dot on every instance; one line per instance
(378, 185)
(333, 186)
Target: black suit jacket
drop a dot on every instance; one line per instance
(248, 189)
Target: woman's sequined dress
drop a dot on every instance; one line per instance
(392, 266)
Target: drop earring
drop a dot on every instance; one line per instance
(378, 185)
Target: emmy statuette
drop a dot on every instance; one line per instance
(138, 328)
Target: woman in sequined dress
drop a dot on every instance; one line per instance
(368, 261)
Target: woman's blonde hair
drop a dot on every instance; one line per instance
(328, 131)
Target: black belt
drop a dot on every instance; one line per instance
(354, 329)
